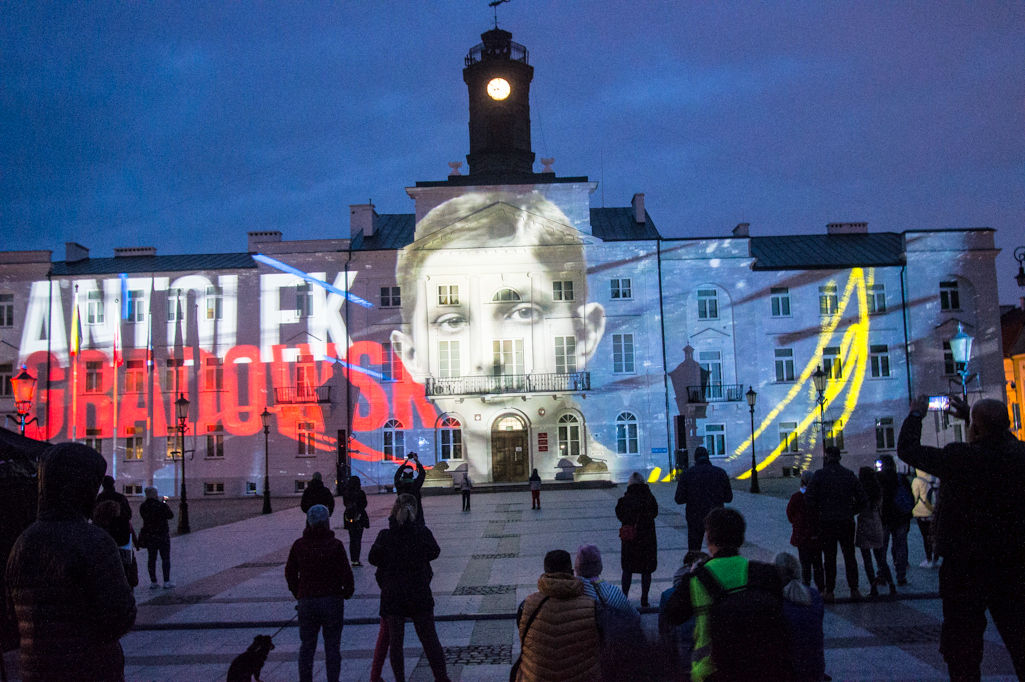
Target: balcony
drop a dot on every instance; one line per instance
(297, 395)
(509, 383)
(715, 393)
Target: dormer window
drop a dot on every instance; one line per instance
(505, 294)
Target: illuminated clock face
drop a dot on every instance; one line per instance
(498, 88)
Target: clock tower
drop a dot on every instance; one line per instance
(498, 78)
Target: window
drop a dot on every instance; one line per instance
(306, 378)
(828, 300)
(250, 487)
(1016, 413)
(507, 357)
(832, 365)
(136, 313)
(94, 307)
(215, 440)
(626, 434)
(448, 359)
(562, 291)
(133, 488)
(305, 433)
(623, 353)
(216, 488)
(621, 289)
(135, 376)
(394, 440)
(448, 294)
(708, 304)
(715, 440)
(300, 486)
(391, 297)
(958, 433)
(876, 299)
(213, 303)
(949, 368)
(950, 297)
(884, 434)
(6, 374)
(6, 310)
(391, 368)
(879, 357)
(172, 444)
(451, 437)
(174, 377)
(788, 436)
(834, 435)
(710, 363)
(780, 299)
(133, 442)
(93, 377)
(303, 300)
(565, 354)
(213, 375)
(569, 436)
(505, 294)
(784, 364)
(175, 305)
(93, 440)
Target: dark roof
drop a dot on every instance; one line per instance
(827, 251)
(618, 224)
(393, 231)
(185, 262)
(481, 179)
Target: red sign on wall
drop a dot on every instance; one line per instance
(542, 442)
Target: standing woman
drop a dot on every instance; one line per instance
(157, 536)
(869, 534)
(403, 553)
(535, 490)
(637, 510)
(355, 519)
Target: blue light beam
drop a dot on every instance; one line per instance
(355, 368)
(284, 267)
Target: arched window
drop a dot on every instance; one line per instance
(394, 440)
(505, 294)
(626, 434)
(569, 436)
(450, 435)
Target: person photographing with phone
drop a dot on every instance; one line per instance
(406, 482)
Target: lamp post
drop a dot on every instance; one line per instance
(1019, 255)
(751, 397)
(961, 349)
(820, 378)
(181, 406)
(24, 385)
(265, 416)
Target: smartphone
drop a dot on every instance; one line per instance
(879, 465)
(939, 402)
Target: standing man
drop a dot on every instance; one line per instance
(317, 493)
(980, 530)
(703, 487)
(318, 575)
(835, 496)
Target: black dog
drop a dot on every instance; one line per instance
(247, 666)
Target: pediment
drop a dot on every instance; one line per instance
(709, 332)
(500, 224)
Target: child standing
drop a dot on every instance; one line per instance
(806, 534)
(535, 490)
(465, 488)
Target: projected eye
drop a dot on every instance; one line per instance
(452, 322)
(524, 313)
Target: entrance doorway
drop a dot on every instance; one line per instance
(509, 449)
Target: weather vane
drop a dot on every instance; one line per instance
(495, 5)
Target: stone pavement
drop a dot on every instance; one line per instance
(231, 587)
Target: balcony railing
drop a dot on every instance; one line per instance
(302, 394)
(715, 393)
(509, 383)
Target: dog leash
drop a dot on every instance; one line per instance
(287, 623)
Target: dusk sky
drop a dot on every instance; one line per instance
(185, 125)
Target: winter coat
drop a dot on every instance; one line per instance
(979, 518)
(890, 481)
(403, 556)
(318, 566)
(317, 493)
(121, 529)
(155, 514)
(562, 644)
(702, 487)
(920, 488)
(65, 580)
(835, 493)
(638, 506)
(806, 526)
(355, 515)
(870, 526)
(807, 644)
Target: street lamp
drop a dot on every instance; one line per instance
(961, 349)
(1019, 255)
(181, 406)
(265, 416)
(24, 385)
(751, 397)
(820, 379)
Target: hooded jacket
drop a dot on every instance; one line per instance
(563, 644)
(317, 566)
(317, 493)
(403, 556)
(65, 580)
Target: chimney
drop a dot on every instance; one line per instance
(132, 251)
(362, 219)
(742, 230)
(262, 237)
(638, 204)
(847, 228)
(74, 252)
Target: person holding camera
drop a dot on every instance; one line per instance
(408, 483)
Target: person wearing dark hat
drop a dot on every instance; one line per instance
(318, 575)
(65, 580)
(317, 493)
(408, 484)
(702, 487)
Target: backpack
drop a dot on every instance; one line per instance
(903, 500)
(749, 633)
